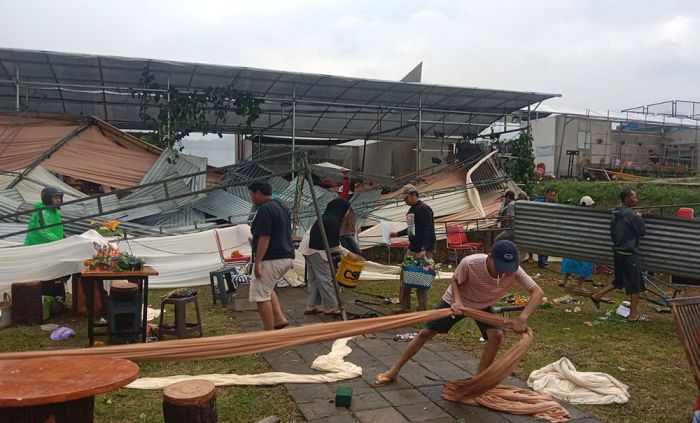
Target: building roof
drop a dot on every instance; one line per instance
(326, 105)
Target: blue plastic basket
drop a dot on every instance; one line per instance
(417, 277)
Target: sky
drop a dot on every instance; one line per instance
(602, 55)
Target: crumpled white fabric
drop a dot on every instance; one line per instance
(334, 363)
(561, 380)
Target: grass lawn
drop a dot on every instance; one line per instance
(235, 404)
(647, 357)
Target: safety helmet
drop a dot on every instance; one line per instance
(49, 192)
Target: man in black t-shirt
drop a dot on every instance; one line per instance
(421, 236)
(273, 253)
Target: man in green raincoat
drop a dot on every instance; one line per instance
(50, 196)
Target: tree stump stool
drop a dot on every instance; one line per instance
(190, 401)
(27, 306)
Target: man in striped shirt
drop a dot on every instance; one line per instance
(479, 281)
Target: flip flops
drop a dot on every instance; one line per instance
(333, 313)
(639, 319)
(281, 325)
(381, 380)
(314, 311)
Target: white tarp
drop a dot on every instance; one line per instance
(561, 380)
(181, 260)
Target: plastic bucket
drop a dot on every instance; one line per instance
(5, 312)
(46, 306)
(348, 274)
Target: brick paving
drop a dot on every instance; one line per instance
(414, 397)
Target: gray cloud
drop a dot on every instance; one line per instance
(597, 54)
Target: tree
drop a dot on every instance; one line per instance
(180, 113)
(522, 167)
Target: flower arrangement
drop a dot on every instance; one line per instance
(109, 257)
(108, 227)
(425, 263)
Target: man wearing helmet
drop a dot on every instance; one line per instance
(39, 233)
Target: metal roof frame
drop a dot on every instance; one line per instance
(319, 105)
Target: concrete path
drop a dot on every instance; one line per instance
(414, 397)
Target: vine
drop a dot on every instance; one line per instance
(181, 113)
(522, 167)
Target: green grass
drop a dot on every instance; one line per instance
(605, 194)
(234, 404)
(648, 357)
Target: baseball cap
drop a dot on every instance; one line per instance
(407, 190)
(586, 201)
(505, 256)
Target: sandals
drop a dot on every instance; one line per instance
(381, 380)
(333, 313)
(281, 325)
(639, 319)
(314, 311)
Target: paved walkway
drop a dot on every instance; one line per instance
(414, 397)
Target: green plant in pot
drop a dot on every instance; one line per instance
(129, 262)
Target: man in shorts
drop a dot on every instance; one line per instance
(626, 227)
(479, 281)
(273, 253)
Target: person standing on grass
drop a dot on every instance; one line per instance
(550, 197)
(579, 268)
(479, 282)
(626, 228)
(320, 289)
(506, 217)
(273, 253)
(421, 236)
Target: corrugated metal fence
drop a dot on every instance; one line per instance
(671, 246)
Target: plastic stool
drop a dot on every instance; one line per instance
(181, 329)
(219, 289)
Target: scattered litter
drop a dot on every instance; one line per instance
(537, 275)
(626, 303)
(62, 333)
(49, 327)
(623, 311)
(482, 339)
(662, 309)
(589, 324)
(566, 299)
(577, 309)
(405, 337)
(622, 369)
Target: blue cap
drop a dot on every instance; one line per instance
(505, 256)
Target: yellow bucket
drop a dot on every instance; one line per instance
(348, 274)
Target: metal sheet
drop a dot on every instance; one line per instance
(671, 245)
(327, 105)
(227, 206)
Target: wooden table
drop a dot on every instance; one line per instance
(35, 389)
(91, 277)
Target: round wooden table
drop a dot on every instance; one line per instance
(37, 389)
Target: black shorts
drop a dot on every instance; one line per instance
(628, 275)
(445, 324)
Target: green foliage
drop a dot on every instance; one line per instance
(605, 194)
(522, 167)
(180, 113)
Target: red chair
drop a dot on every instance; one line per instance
(685, 213)
(457, 240)
(240, 260)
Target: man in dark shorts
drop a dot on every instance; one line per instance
(626, 227)
(479, 281)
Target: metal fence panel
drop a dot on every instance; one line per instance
(671, 245)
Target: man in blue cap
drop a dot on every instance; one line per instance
(479, 282)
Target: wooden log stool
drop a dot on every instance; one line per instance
(190, 401)
(26, 303)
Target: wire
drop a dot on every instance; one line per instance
(184, 254)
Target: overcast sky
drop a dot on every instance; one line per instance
(597, 54)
